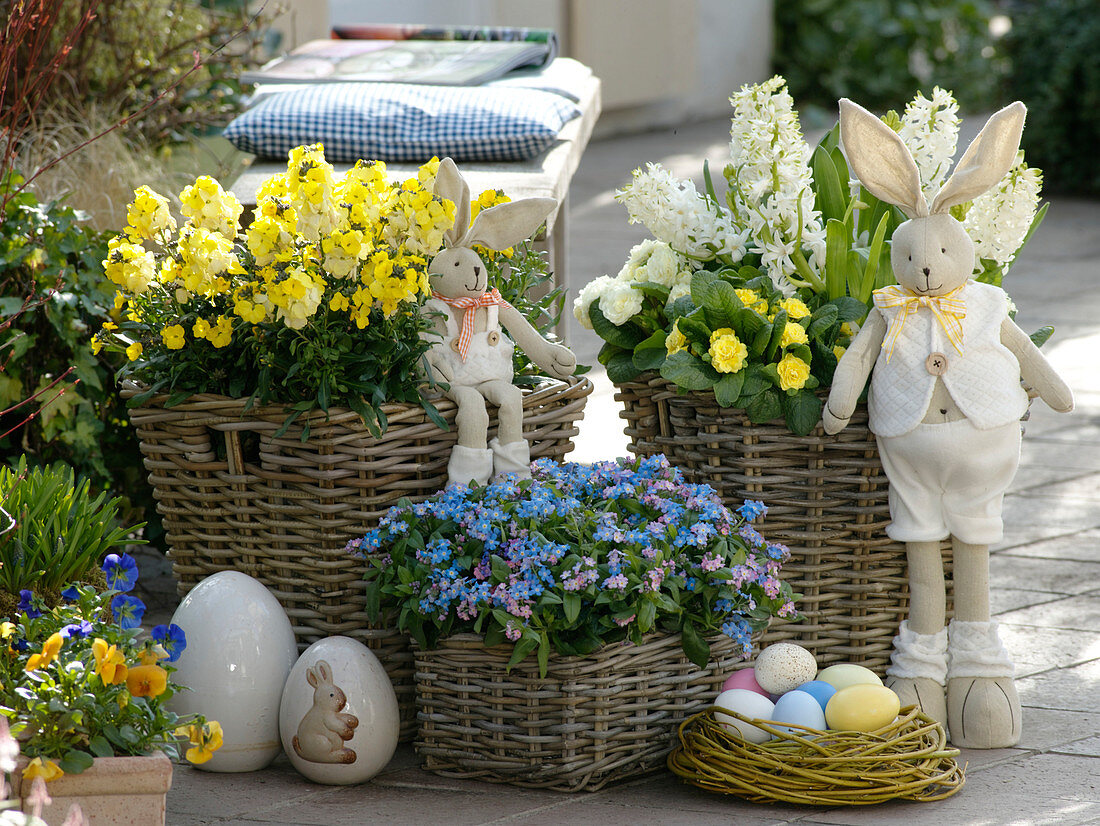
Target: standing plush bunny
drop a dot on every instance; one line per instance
(945, 404)
(469, 350)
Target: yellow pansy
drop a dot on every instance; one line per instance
(47, 770)
(793, 372)
(728, 354)
(133, 352)
(205, 740)
(50, 649)
(793, 333)
(110, 665)
(146, 680)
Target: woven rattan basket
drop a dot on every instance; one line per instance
(908, 759)
(827, 500)
(234, 496)
(591, 721)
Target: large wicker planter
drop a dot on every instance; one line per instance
(827, 501)
(591, 721)
(234, 496)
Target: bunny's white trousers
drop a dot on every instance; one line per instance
(949, 480)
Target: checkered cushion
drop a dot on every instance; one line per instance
(404, 122)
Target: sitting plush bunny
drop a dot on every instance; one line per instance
(945, 406)
(469, 351)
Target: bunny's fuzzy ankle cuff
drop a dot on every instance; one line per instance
(919, 655)
(975, 650)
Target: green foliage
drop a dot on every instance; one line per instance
(60, 531)
(70, 710)
(878, 51)
(1056, 72)
(52, 296)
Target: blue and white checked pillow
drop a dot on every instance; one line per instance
(404, 122)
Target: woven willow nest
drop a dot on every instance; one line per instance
(908, 759)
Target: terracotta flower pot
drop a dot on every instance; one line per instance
(115, 791)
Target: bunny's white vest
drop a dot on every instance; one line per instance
(984, 380)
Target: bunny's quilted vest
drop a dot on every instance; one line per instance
(984, 379)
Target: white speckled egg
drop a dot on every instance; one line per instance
(339, 719)
(784, 666)
(748, 703)
(240, 649)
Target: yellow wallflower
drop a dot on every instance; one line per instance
(47, 770)
(110, 665)
(793, 372)
(148, 214)
(221, 333)
(728, 354)
(675, 341)
(793, 333)
(133, 352)
(205, 740)
(173, 337)
(201, 328)
(50, 649)
(97, 345)
(146, 680)
(338, 302)
(795, 308)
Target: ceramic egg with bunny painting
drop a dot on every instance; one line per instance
(945, 402)
(476, 331)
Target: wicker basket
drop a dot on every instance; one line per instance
(234, 496)
(908, 759)
(591, 721)
(645, 410)
(827, 501)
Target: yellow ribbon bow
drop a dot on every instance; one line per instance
(948, 308)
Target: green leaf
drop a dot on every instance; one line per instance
(836, 258)
(694, 329)
(650, 354)
(101, 747)
(524, 646)
(621, 368)
(686, 371)
(779, 324)
(652, 289)
(74, 762)
(544, 654)
(728, 388)
(679, 308)
(647, 615)
(874, 256)
(627, 336)
(831, 197)
(849, 309)
(494, 635)
(756, 381)
(802, 412)
(501, 571)
(373, 590)
(822, 320)
(695, 647)
(572, 605)
(765, 407)
(1042, 335)
(723, 302)
(700, 286)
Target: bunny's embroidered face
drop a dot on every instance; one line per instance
(458, 272)
(932, 256)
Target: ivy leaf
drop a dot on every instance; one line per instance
(686, 371)
(695, 647)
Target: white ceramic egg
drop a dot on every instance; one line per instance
(800, 708)
(750, 704)
(783, 666)
(339, 720)
(240, 649)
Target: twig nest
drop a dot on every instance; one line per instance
(783, 666)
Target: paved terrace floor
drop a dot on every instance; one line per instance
(1045, 582)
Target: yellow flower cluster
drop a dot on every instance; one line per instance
(489, 198)
(728, 354)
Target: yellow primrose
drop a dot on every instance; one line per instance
(47, 770)
(50, 649)
(675, 341)
(110, 664)
(133, 352)
(793, 333)
(795, 308)
(838, 351)
(793, 372)
(728, 354)
(721, 331)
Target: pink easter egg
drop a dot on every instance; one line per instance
(743, 678)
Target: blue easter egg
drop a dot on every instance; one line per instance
(819, 690)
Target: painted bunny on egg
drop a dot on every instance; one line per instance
(945, 404)
(469, 350)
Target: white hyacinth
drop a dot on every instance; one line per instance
(930, 129)
(998, 220)
(770, 180)
(675, 212)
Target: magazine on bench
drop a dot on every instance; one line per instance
(455, 56)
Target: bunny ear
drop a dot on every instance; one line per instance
(311, 677)
(503, 225)
(450, 184)
(325, 670)
(986, 160)
(880, 159)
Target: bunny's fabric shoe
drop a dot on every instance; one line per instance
(469, 464)
(513, 458)
(918, 671)
(983, 709)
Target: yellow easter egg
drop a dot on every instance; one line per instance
(843, 675)
(862, 707)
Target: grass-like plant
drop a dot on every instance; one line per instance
(54, 531)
